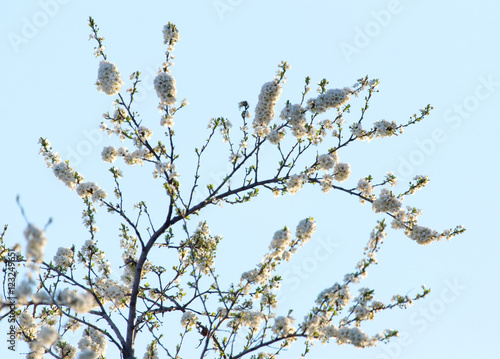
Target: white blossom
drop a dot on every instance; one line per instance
(109, 154)
(264, 111)
(188, 320)
(170, 35)
(164, 85)
(36, 243)
(108, 78)
(327, 161)
(333, 98)
(386, 202)
(341, 171)
(64, 257)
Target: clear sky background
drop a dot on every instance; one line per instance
(442, 53)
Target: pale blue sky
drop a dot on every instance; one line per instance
(442, 53)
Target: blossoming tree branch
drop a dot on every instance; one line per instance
(73, 292)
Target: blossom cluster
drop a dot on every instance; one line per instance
(188, 320)
(90, 255)
(384, 128)
(264, 110)
(80, 302)
(36, 243)
(45, 338)
(64, 172)
(332, 98)
(109, 79)
(64, 257)
(282, 247)
(295, 117)
(200, 248)
(386, 202)
(113, 291)
(171, 35)
(247, 318)
(93, 344)
(164, 84)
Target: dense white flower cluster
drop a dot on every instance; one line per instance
(200, 248)
(341, 171)
(164, 84)
(264, 111)
(326, 183)
(246, 318)
(92, 344)
(355, 336)
(281, 240)
(386, 202)
(91, 190)
(109, 154)
(64, 257)
(406, 219)
(384, 128)
(82, 302)
(337, 296)
(188, 320)
(36, 243)
(333, 98)
(167, 120)
(365, 187)
(327, 161)
(66, 350)
(295, 116)
(170, 35)
(111, 290)
(283, 325)
(67, 174)
(276, 136)
(305, 229)
(358, 131)
(27, 324)
(295, 182)
(165, 167)
(423, 235)
(90, 255)
(45, 338)
(109, 79)
(143, 133)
